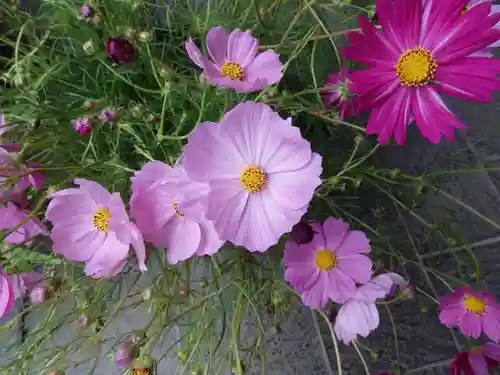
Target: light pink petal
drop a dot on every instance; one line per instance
(63, 207)
(317, 296)
(210, 242)
(379, 287)
(266, 68)
(340, 286)
(207, 156)
(195, 55)
(217, 40)
(150, 174)
(478, 363)
(356, 318)
(450, 315)
(355, 242)
(470, 324)
(6, 296)
(98, 193)
(295, 189)
(76, 243)
(137, 243)
(241, 47)
(492, 350)
(107, 257)
(184, 238)
(357, 266)
(335, 231)
(302, 279)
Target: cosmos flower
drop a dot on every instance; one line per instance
(359, 315)
(169, 209)
(127, 351)
(261, 174)
(91, 225)
(235, 62)
(108, 115)
(480, 360)
(473, 312)
(15, 286)
(83, 125)
(340, 96)
(121, 50)
(11, 217)
(328, 267)
(418, 51)
(86, 11)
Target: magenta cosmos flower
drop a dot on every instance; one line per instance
(473, 312)
(328, 267)
(235, 61)
(261, 174)
(480, 360)
(359, 315)
(417, 52)
(169, 210)
(92, 225)
(21, 230)
(340, 96)
(121, 50)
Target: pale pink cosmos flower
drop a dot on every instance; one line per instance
(480, 360)
(340, 95)
(127, 351)
(169, 210)
(235, 61)
(328, 267)
(473, 312)
(11, 217)
(261, 173)
(91, 225)
(15, 286)
(359, 315)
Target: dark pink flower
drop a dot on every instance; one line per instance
(340, 95)
(478, 361)
(11, 217)
(108, 115)
(417, 52)
(235, 61)
(83, 125)
(121, 50)
(473, 312)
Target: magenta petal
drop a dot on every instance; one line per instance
(340, 286)
(451, 314)
(492, 350)
(491, 323)
(357, 266)
(478, 363)
(470, 325)
(317, 296)
(355, 242)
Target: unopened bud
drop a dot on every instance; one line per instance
(146, 294)
(89, 47)
(145, 36)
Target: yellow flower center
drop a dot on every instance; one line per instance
(466, 8)
(416, 67)
(141, 371)
(232, 70)
(101, 219)
(326, 260)
(176, 209)
(475, 305)
(253, 179)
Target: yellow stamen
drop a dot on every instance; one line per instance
(416, 67)
(232, 70)
(253, 179)
(475, 305)
(176, 209)
(326, 260)
(102, 217)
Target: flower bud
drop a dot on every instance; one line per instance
(302, 233)
(145, 36)
(146, 294)
(120, 50)
(38, 294)
(127, 352)
(108, 115)
(89, 47)
(87, 11)
(83, 125)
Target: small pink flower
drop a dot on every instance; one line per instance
(92, 225)
(328, 267)
(108, 115)
(11, 216)
(261, 173)
(87, 11)
(473, 312)
(340, 96)
(169, 210)
(126, 352)
(359, 315)
(83, 125)
(478, 361)
(235, 61)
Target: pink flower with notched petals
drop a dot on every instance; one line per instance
(359, 315)
(261, 174)
(328, 267)
(417, 52)
(21, 230)
(473, 312)
(477, 361)
(169, 210)
(340, 96)
(92, 225)
(235, 61)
